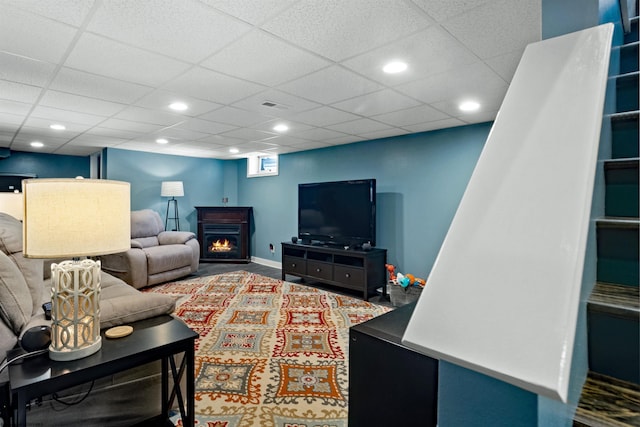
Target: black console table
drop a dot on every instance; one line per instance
(347, 268)
(390, 384)
(158, 338)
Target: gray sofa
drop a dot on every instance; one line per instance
(156, 256)
(24, 286)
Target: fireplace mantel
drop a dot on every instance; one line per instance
(234, 221)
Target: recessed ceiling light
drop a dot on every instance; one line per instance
(395, 67)
(234, 150)
(178, 106)
(468, 106)
(162, 141)
(281, 128)
(57, 126)
(37, 144)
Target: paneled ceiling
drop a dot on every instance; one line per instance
(108, 69)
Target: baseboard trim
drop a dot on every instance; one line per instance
(267, 262)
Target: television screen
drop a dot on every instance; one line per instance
(341, 213)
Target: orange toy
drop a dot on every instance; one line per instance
(392, 272)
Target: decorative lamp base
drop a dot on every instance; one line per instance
(64, 356)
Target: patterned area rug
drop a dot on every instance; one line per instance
(270, 353)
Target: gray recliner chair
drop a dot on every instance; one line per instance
(156, 255)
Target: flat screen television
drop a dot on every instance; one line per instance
(339, 213)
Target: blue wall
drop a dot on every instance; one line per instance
(45, 165)
(420, 181)
(202, 178)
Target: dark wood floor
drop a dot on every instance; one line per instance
(211, 268)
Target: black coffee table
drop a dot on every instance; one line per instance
(159, 338)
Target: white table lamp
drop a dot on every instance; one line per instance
(75, 218)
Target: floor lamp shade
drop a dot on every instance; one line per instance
(12, 204)
(172, 189)
(75, 218)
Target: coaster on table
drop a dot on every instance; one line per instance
(118, 331)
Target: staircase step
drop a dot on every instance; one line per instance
(627, 91)
(618, 250)
(621, 187)
(607, 402)
(629, 57)
(633, 35)
(618, 222)
(619, 300)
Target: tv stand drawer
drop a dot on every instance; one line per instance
(348, 275)
(320, 270)
(294, 265)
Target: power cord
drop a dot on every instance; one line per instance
(20, 357)
(80, 400)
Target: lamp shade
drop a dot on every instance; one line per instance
(75, 217)
(172, 189)
(12, 204)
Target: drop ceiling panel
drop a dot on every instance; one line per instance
(168, 27)
(286, 105)
(428, 52)
(205, 126)
(384, 101)
(412, 116)
(145, 115)
(253, 11)
(99, 55)
(99, 87)
(264, 59)
(130, 126)
(339, 29)
(71, 12)
(438, 124)
(17, 35)
(25, 70)
(324, 116)
(18, 92)
(236, 116)
(16, 109)
(497, 27)
(66, 116)
(70, 102)
(161, 99)
(215, 87)
(443, 10)
(331, 85)
(359, 126)
(384, 133)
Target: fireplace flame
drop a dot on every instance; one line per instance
(223, 245)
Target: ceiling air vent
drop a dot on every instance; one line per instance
(272, 104)
(269, 104)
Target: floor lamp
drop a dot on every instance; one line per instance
(172, 189)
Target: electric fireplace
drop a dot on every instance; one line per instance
(223, 233)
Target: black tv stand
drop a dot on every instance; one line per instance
(353, 269)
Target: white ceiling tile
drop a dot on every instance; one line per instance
(92, 140)
(160, 100)
(253, 11)
(330, 85)
(307, 145)
(10, 122)
(479, 117)
(286, 105)
(180, 134)
(324, 116)
(319, 134)
(206, 84)
(70, 102)
(205, 126)
(294, 128)
(76, 150)
(505, 65)
(248, 134)
(17, 35)
(221, 140)
(359, 126)
(443, 10)
(410, 116)
(100, 87)
(205, 145)
(169, 27)
(130, 126)
(36, 126)
(339, 29)
(66, 117)
(19, 109)
(109, 58)
(384, 133)
(72, 12)
(428, 52)
(18, 92)
(438, 124)
(21, 69)
(264, 59)
(384, 101)
(145, 115)
(344, 140)
(28, 134)
(451, 107)
(115, 134)
(476, 80)
(236, 116)
(498, 27)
